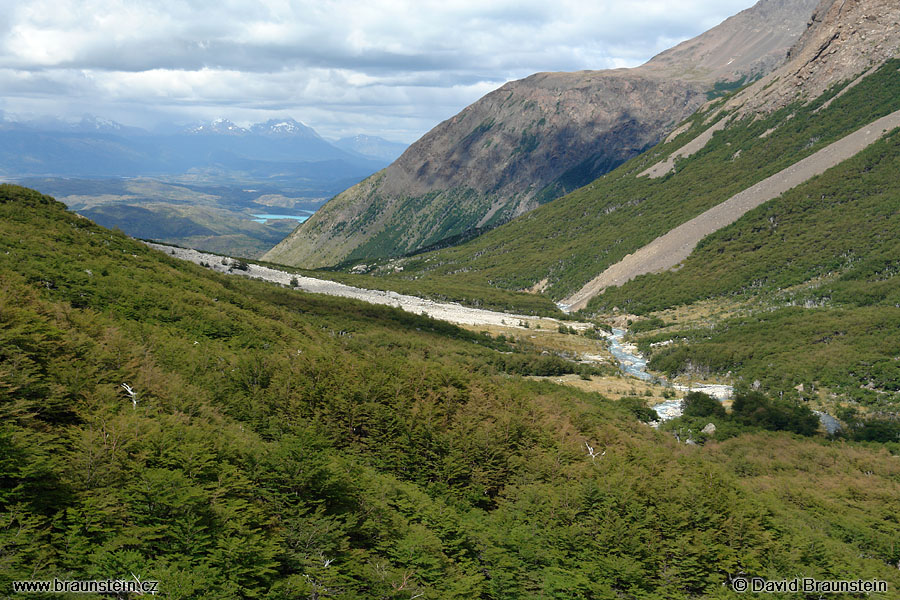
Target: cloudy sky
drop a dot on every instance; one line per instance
(384, 67)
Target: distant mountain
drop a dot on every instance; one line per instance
(372, 146)
(96, 147)
(284, 128)
(279, 141)
(195, 186)
(53, 148)
(533, 140)
(278, 128)
(218, 127)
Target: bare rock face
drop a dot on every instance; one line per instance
(751, 43)
(535, 139)
(525, 133)
(844, 39)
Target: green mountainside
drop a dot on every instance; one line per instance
(232, 438)
(818, 263)
(273, 444)
(822, 263)
(576, 237)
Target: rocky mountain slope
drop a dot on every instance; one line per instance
(846, 39)
(747, 137)
(535, 139)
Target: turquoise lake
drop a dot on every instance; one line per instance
(264, 218)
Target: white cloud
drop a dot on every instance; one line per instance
(340, 65)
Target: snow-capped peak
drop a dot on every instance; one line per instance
(98, 123)
(285, 127)
(220, 126)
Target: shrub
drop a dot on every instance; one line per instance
(878, 430)
(647, 325)
(638, 407)
(698, 404)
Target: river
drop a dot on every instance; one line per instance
(630, 360)
(633, 363)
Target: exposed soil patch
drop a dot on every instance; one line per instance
(692, 147)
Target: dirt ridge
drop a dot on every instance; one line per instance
(444, 311)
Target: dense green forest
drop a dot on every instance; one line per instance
(276, 444)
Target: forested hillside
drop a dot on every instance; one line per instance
(819, 268)
(275, 444)
(813, 272)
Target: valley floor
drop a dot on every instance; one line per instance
(541, 333)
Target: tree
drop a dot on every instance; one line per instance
(755, 408)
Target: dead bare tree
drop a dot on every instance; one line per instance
(592, 453)
(131, 394)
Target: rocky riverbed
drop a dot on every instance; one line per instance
(445, 311)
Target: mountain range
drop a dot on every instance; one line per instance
(96, 147)
(757, 241)
(534, 140)
(199, 185)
